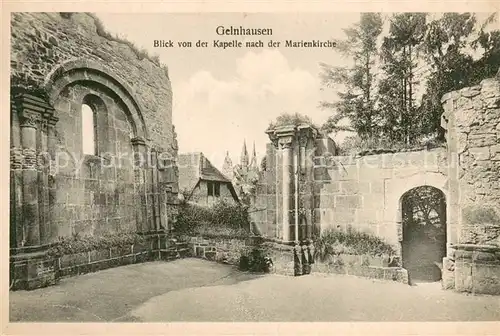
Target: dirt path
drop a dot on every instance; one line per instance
(196, 290)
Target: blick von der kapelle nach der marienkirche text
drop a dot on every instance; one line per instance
(232, 31)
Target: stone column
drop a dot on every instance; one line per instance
(16, 183)
(154, 189)
(165, 180)
(43, 182)
(287, 164)
(274, 141)
(31, 220)
(304, 229)
(293, 152)
(307, 137)
(29, 115)
(140, 153)
(51, 171)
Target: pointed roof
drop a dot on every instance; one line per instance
(253, 161)
(244, 154)
(194, 167)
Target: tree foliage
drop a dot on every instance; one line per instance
(357, 102)
(393, 88)
(397, 94)
(424, 212)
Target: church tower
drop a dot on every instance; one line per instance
(253, 161)
(227, 167)
(244, 155)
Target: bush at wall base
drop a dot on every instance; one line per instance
(255, 261)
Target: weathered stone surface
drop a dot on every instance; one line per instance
(59, 35)
(63, 61)
(486, 279)
(480, 153)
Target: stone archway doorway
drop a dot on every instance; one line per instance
(424, 233)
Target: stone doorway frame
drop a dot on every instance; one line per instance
(395, 189)
(401, 224)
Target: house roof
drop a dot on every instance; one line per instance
(194, 167)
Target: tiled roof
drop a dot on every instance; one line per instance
(195, 166)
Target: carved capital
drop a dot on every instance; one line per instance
(32, 109)
(52, 121)
(274, 140)
(282, 137)
(29, 120)
(285, 142)
(138, 141)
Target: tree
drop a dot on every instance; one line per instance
(399, 54)
(386, 108)
(487, 66)
(444, 47)
(357, 103)
(424, 210)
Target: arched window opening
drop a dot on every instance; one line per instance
(89, 143)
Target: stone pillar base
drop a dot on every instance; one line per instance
(477, 269)
(32, 269)
(288, 259)
(282, 256)
(448, 274)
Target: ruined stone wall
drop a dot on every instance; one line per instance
(472, 121)
(265, 204)
(59, 62)
(360, 192)
(365, 192)
(41, 42)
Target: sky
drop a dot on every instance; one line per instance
(224, 97)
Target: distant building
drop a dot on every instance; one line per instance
(246, 174)
(227, 167)
(201, 182)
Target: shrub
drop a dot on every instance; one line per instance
(287, 119)
(255, 261)
(354, 145)
(222, 218)
(79, 244)
(335, 242)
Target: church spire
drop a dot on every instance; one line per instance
(253, 161)
(244, 155)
